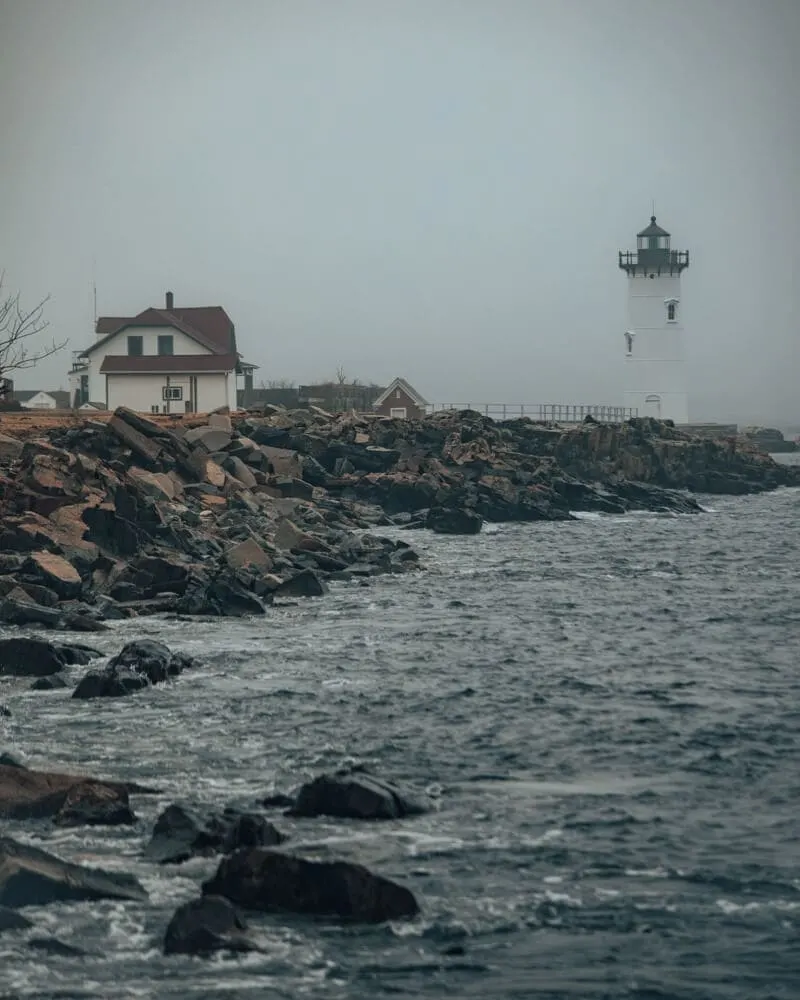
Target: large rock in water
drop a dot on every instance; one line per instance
(137, 666)
(16, 611)
(355, 794)
(23, 656)
(261, 879)
(31, 877)
(94, 804)
(27, 794)
(206, 925)
(180, 834)
(453, 521)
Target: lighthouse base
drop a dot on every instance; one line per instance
(661, 405)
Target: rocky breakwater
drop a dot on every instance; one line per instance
(129, 517)
(453, 470)
(219, 516)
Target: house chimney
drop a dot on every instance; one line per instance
(169, 302)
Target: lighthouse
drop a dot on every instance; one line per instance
(654, 347)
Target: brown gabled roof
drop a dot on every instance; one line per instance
(213, 322)
(209, 326)
(167, 364)
(108, 324)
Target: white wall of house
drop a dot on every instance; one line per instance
(118, 344)
(144, 391)
(230, 392)
(41, 401)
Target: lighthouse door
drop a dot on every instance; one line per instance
(652, 406)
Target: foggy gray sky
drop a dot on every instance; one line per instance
(429, 188)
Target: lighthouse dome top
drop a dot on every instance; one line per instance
(653, 229)
(653, 254)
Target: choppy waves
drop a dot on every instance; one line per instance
(607, 713)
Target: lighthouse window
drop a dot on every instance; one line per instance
(671, 312)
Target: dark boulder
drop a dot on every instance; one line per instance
(76, 654)
(209, 438)
(53, 573)
(180, 834)
(28, 657)
(28, 794)
(646, 496)
(267, 880)
(206, 925)
(32, 877)
(408, 495)
(37, 594)
(453, 521)
(289, 487)
(111, 532)
(306, 583)
(356, 794)
(138, 665)
(227, 597)
(18, 612)
(94, 804)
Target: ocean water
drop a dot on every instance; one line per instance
(606, 714)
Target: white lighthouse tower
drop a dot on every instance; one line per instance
(655, 356)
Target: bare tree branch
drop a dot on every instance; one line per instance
(17, 326)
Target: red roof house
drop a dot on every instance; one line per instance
(171, 360)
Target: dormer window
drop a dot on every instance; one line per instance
(135, 346)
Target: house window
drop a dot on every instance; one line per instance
(172, 392)
(165, 344)
(397, 394)
(398, 411)
(671, 308)
(155, 409)
(135, 347)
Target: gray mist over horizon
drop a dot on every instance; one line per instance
(435, 189)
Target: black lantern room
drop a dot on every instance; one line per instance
(653, 254)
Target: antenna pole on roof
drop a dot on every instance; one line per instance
(94, 287)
